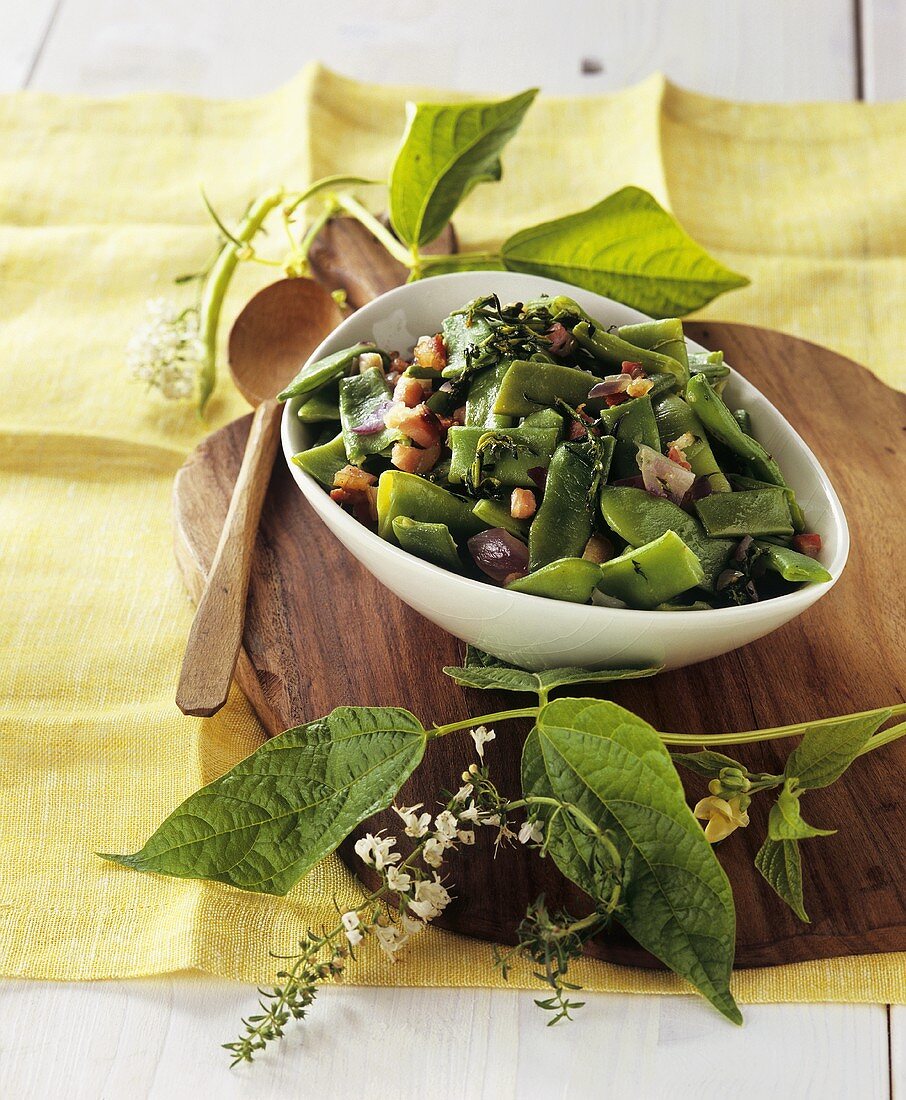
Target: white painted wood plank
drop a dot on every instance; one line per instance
(160, 1038)
(884, 49)
(772, 50)
(25, 23)
(897, 1018)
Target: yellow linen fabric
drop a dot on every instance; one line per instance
(99, 209)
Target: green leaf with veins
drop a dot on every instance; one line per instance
(676, 900)
(447, 149)
(627, 247)
(828, 749)
(779, 863)
(268, 821)
(785, 819)
(487, 673)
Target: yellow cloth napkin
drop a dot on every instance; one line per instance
(99, 209)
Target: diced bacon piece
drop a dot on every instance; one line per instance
(562, 340)
(353, 478)
(675, 454)
(522, 504)
(430, 353)
(808, 543)
(598, 549)
(638, 387)
(411, 391)
(419, 424)
(414, 460)
(370, 360)
(634, 370)
(576, 430)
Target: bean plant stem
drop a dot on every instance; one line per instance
(354, 208)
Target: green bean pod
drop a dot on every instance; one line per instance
(674, 418)
(322, 405)
(324, 462)
(637, 425)
(792, 565)
(429, 541)
(721, 425)
(482, 396)
(665, 337)
(494, 513)
(611, 349)
(750, 512)
(796, 513)
(570, 579)
(361, 398)
(648, 575)
(565, 519)
(531, 447)
(402, 494)
(528, 386)
(314, 375)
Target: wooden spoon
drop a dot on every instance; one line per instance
(270, 340)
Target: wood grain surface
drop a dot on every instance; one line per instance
(321, 632)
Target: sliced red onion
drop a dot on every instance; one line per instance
(562, 340)
(538, 474)
(739, 554)
(374, 422)
(445, 387)
(499, 554)
(613, 383)
(701, 488)
(728, 577)
(662, 476)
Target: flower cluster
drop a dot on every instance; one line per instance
(166, 352)
(726, 808)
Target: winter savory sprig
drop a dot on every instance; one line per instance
(627, 246)
(600, 796)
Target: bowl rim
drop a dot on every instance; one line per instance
(795, 602)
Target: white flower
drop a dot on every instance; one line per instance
(410, 925)
(416, 824)
(390, 938)
(166, 351)
(431, 898)
(531, 831)
(398, 881)
(352, 925)
(466, 836)
(446, 824)
(481, 736)
(463, 793)
(376, 851)
(504, 836)
(433, 852)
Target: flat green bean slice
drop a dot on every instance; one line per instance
(674, 418)
(361, 398)
(461, 340)
(796, 513)
(314, 375)
(792, 565)
(323, 404)
(324, 462)
(402, 494)
(637, 425)
(543, 418)
(743, 419)
(570, 579)
(664, 336)
(507, 454)
(645, 576)
(429, 541)
(610, 348)
(638, 517)
(749, 512)
(482, 395)
(720, 423)
(494, 513)
(528, 386)
(565, 519)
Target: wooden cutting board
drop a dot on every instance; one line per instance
(322, 632)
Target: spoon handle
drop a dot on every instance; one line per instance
(216, 634)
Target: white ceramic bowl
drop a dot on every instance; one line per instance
(532, 631)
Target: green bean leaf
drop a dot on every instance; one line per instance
(828, 749)
(626, 247)
(447, 149)
(785, 819)
(676, 900)
(268, 821)
(487, 673)
(780, 864)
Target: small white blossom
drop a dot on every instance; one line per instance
(390, 938)
(431, 898)
(446, 824)
(466, 836)
(411, 925)
(398, 881)
(352, 925)
(416, 824)
(433, 851)
(166, 350)
(481, 736)
(504, 836)
(531, 831)
(463, 793)
(376, 851)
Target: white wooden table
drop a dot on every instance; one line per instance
(159, 1037)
